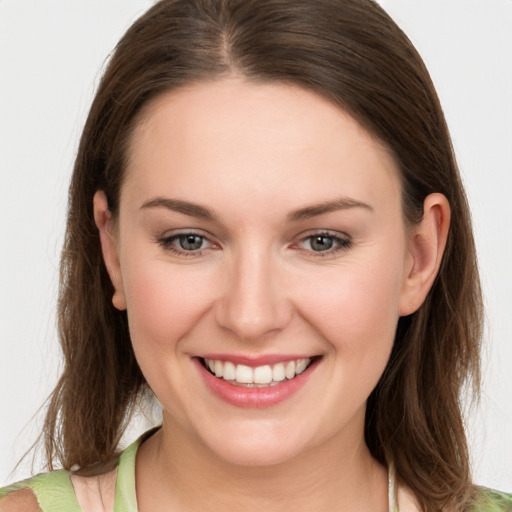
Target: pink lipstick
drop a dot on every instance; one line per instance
(255, 382)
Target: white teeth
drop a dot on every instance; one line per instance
(300, 366)
(229, 372)
(278, 373)
(262, 375)
(259, 375)
(290, 370)
(244, 374)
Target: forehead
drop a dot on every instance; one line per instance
(242, 137)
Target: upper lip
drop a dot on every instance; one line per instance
(255, 361)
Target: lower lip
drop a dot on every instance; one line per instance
(242, 396)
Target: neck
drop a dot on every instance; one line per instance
(177, 472)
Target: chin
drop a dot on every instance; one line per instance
(254, 445)
(256, 455)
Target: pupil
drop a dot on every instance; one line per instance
(321, 243)
(190, 242)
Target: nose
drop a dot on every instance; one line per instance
(254, 302)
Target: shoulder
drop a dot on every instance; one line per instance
(23, 500)
(61, 491)
(45, 492)
(490, 500)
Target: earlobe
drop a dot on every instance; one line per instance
(427, 242)
(103, 220)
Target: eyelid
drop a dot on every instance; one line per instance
(168, 240)
(342, 242)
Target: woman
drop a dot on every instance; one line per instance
(268, 231)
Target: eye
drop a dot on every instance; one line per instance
(325, 243)
(190, 242)
(185, 243)
(321, 242)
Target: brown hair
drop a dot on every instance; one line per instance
(352, 53)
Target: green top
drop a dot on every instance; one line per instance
(55, 493)
(493, 501)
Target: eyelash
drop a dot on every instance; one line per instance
(169, 243)
(338, 244)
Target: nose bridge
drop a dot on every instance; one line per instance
(253, 304)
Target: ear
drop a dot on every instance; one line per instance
(103, 220)
(427, 241)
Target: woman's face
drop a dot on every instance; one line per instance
(260, 230)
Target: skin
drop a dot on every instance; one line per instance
(253, 154)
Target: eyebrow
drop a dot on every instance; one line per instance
(176, 205)
(201, 212)
(343, 203)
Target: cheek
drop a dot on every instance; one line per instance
(163, 303)
(355, 307)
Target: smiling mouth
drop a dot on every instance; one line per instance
(258, 376)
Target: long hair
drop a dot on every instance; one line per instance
(353, 54)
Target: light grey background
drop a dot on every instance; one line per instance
(51, 56)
